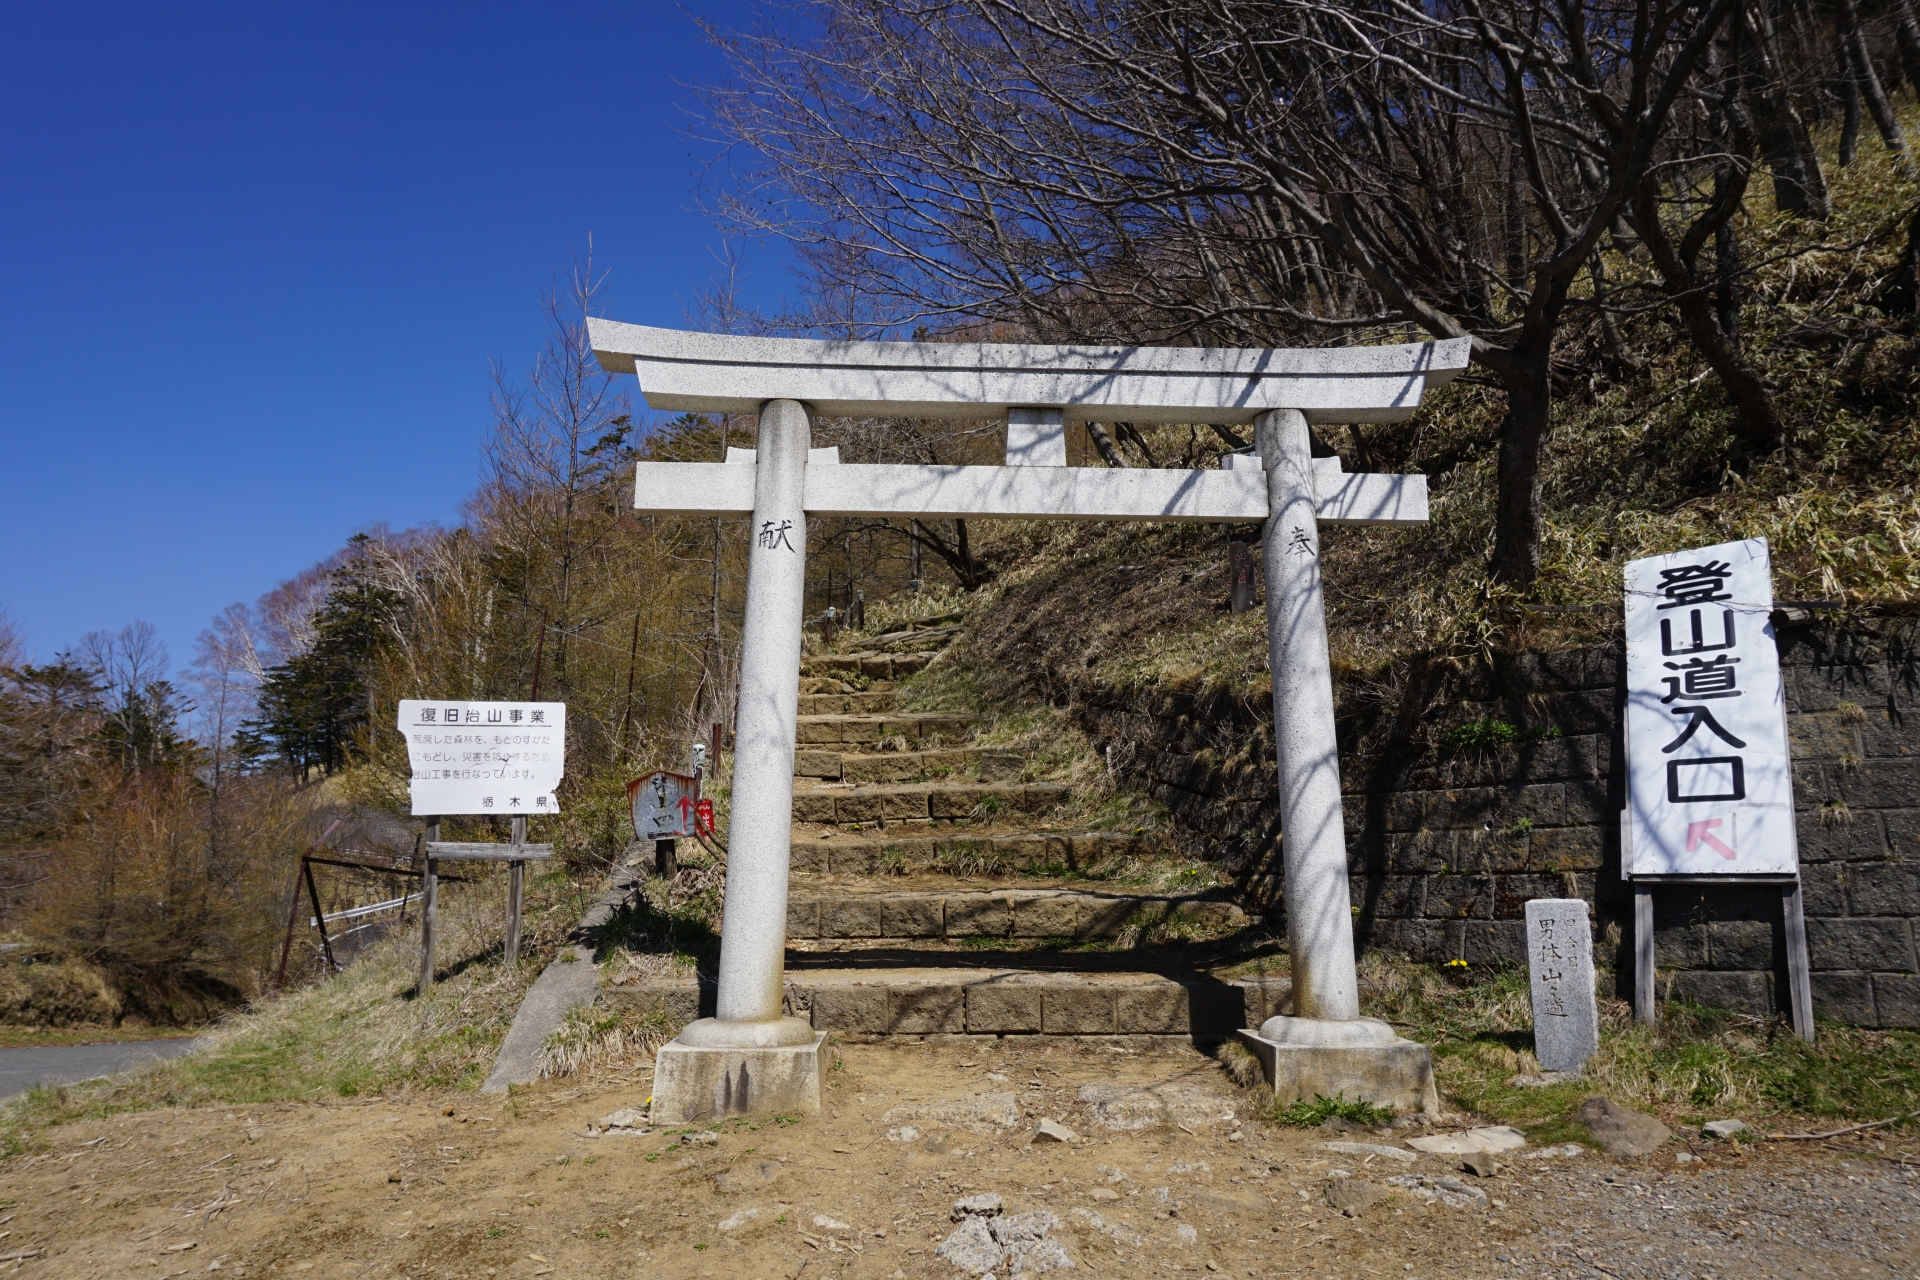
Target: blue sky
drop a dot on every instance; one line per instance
(254, 260)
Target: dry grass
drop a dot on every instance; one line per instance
(1696, 1064)
(899, 610)
(596, 1036)
(365, 1031)
(1639, 463)
(1240, 1065)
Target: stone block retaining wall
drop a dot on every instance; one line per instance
(1447, 844)
(936, 1003)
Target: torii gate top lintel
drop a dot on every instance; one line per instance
(684, 371)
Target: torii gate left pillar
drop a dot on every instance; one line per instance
(750, 1056)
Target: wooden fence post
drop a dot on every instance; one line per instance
(293, 908)
(1643, 969)
(319, 915)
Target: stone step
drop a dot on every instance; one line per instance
(996, 913)
(846, 704)
(877, 666)
(828, 684)
(850, 730)
(916, 637)
(985, 763)
(842, 806)
(975, 852)
(863, 1004)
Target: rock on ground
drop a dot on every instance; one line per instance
(1626, 1134)
(1368, 1149)
(1053, 1131)
(1132, 1108)
(1028, 1240)
(985, 1113)
(1352, 1196)
(1450, 1192)
(1491, 1139)
(987, 1204)
(971, 1248)
(1564, 1152)
(625, 1118)
(1009, 1245)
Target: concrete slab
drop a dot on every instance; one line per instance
(1397, 1075)
(698, 1085)
(570, 981)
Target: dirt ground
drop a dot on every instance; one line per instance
(454, 1186)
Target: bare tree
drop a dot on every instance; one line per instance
(1862, 81)
(1251, 172)
(560, 443)
(141, 707)
(1799, 187)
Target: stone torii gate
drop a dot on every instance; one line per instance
(751, 1058)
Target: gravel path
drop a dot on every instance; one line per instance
(1791, 1213)
(453, 1186)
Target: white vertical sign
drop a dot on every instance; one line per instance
(1710, 787)
(484, 757)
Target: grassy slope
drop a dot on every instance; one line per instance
(361, 1032)
(1640, 462)
(1695, 1065)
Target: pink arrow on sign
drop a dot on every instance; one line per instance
(1699, 833)
(687, 808)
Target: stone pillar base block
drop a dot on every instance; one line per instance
(1397, 1075)
(694, 1084)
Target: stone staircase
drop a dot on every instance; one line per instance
(938, 889)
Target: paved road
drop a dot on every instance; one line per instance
(22, 1069)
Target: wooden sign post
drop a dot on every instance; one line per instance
(429, 901)
(482, 759)
(517, 853)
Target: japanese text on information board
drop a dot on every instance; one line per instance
(476, 758)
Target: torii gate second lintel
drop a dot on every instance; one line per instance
(1326, 1047)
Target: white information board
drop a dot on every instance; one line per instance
(1710, 787)
(484, 757)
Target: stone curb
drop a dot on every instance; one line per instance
(571, 980)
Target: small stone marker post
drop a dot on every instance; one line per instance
(1566, 1015)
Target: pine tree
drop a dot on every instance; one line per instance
(312, 705)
